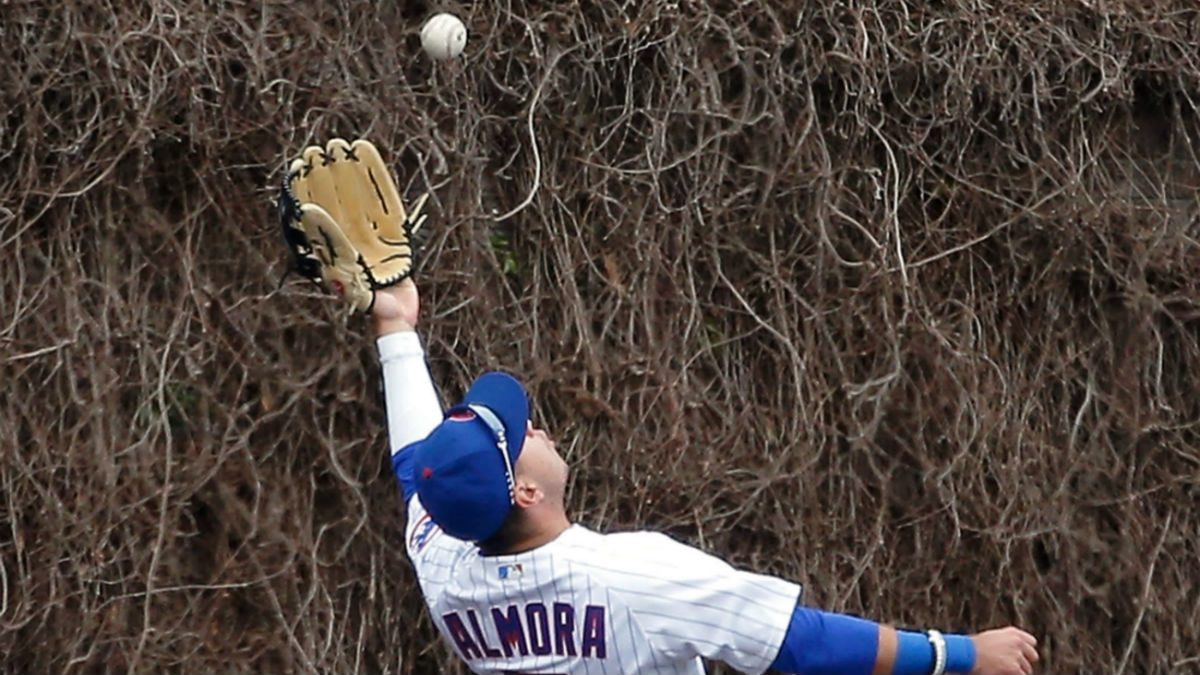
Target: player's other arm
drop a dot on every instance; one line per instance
(839, 644)
(689, 603)
(411, 401)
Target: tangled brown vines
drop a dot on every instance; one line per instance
(896, 299)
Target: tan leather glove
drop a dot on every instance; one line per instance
(344, 222)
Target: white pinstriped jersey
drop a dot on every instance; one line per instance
(584, 603)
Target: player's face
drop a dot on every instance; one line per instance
(540, 458)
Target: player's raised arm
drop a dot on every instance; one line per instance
(349, 232)
(410, 398)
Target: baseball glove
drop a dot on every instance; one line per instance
(344, 222)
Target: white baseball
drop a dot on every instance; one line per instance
(443, 36)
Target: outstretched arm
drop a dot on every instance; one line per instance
(825, 642)
(413, 411)
(412, 405)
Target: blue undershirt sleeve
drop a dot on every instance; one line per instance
(824, 643)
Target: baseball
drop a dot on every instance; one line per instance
(443, 36)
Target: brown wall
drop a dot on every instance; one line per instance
(895, 299)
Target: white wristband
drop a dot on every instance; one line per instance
(939, 652)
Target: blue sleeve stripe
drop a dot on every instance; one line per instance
(824, 643)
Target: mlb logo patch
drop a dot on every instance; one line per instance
(511, 571)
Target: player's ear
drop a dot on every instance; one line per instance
(527, 492)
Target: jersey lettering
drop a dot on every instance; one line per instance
(564, 629)
(458, 632)
(593, 632)
(539, 628)
(539, 633)
(487, 649)
(511, 633)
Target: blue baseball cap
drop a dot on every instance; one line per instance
(465, 468)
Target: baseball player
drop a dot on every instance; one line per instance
(515, 587)
(511, 583)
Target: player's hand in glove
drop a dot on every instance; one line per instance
(396, 308)
(344, 222)
(1004, 651)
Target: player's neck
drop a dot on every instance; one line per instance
(554, 526)
(546, 529)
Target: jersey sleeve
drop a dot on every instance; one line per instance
(432, 551)
(688, 603)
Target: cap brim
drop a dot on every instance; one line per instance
(503, 395)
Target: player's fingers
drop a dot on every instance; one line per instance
(1025, 635)
(1025, 665)
(1030, 652)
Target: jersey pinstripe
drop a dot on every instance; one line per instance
(585, 603)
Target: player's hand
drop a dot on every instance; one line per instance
(1004, 651)
(396, 308)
